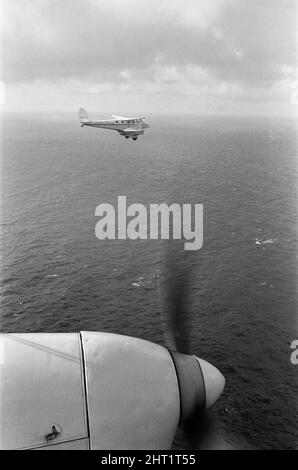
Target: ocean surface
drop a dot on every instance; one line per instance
(56, 276)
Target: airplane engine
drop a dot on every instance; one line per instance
(94, 390)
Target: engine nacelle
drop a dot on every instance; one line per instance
(93, 390)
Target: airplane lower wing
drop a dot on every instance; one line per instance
(129, 132)
(133, 131)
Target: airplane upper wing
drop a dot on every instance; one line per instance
(126, 118)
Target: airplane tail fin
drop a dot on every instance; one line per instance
(83, 116)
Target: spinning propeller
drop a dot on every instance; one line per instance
(200, 383)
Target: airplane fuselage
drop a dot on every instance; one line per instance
(128, 127)
(118, 125)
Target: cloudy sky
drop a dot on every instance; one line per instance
(123, 56)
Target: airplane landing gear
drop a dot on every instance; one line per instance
(127, 137)
(135, 137)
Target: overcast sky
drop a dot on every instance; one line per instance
(146, 56)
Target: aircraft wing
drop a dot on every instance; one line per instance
(133, 131)
(122, 118)
(129, 132)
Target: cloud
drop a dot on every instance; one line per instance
(227, 48)
(96, 40)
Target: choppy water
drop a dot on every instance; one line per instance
(56, 276)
